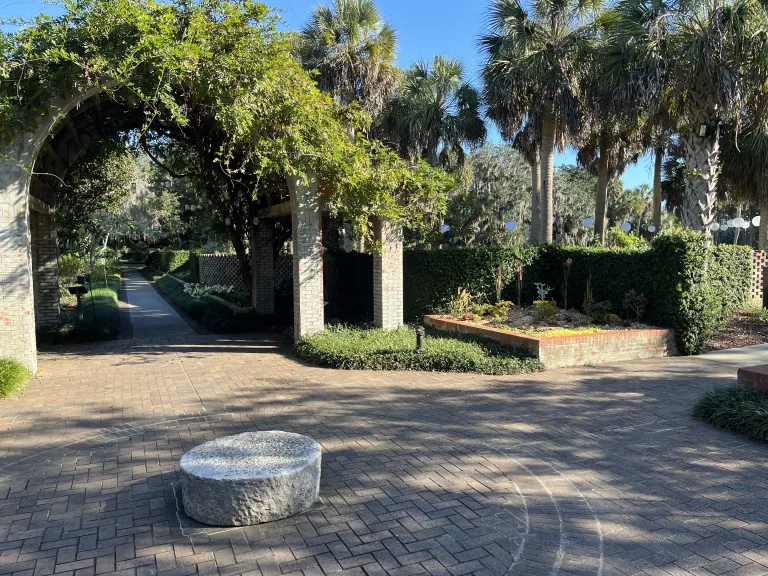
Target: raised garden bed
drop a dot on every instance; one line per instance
(601, 347)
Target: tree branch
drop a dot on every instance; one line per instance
(145, 147)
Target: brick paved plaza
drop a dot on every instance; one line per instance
(577, 471)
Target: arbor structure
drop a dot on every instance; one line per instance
(535, 59)
(216, 77)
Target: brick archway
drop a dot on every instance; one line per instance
(17, 286)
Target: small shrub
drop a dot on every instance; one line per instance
(545, 310)
(599, 312)
(70, 265)
(617, 238)
(736, 409)
(200, 290)
(461, 304)
(372, 349)
(13, 376)
(635, 303)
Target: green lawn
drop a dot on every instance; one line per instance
(372, 349)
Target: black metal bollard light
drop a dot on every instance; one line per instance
(420, 338)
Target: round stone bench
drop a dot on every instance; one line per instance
(250, 478)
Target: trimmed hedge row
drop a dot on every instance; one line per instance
(181, 263)
(210, 314)
(690, 285)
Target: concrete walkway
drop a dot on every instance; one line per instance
(151, 316)
(741, 357)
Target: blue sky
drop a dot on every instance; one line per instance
(425, 28)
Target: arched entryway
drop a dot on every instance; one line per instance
(32, 164)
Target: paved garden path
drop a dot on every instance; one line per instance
(151, 315)
(594, 471)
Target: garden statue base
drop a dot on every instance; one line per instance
(250, 478)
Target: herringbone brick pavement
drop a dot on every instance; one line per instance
(581, 471)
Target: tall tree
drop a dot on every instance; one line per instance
(705, 56)
(536, 58)
(436, 114)
(353, 50)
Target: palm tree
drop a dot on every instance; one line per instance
(353, 51)
(435, 114)
(704, 56)
(536, 59)
(527, 140)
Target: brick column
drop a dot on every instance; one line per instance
(45, 269)
(306, 219)
(388, 275)
(263, 268)
(17, 314)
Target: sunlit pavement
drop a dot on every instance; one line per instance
(596, 470)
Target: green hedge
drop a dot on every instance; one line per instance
(101, 316)
(690, 285)
(212, 315)
(371, 349)
(181, 263)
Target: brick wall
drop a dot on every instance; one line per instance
(757, 288)
(45, 269)
(388, 276)
(263, 268)
(601, 348)
(755, 377)
(221, 269)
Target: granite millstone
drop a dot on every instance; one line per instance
(250, 478)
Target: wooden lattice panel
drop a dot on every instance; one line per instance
(759, 263)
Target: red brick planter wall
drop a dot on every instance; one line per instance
(560, 351)
(754, 377)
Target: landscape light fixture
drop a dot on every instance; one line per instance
(703, 129)
(420, 338)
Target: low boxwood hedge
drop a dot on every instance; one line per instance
(373, 349)
(181, 263)
(13, 376)
(737, 409)
(101, 316)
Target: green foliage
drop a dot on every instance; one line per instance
(545, 310)
(101, 316)
(495, 190)
(210, 314)
(176, 262)
(433, 277)
(690, 285)
(616, 237)
(737, 409)
(70, 266)
(368, 349)
(551, 332)
(461, 304)
(13, 376)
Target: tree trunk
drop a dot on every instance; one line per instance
(601, 200)
(548, 127)
(737, 229)
(657, 188)
(702, 156)
(761, 237)
(535, 199)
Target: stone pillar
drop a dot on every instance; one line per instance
(17, 314)
(45, 269)
(306, 219)
(263, 268)
(388, 275)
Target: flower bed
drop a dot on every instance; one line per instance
(604, 346)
